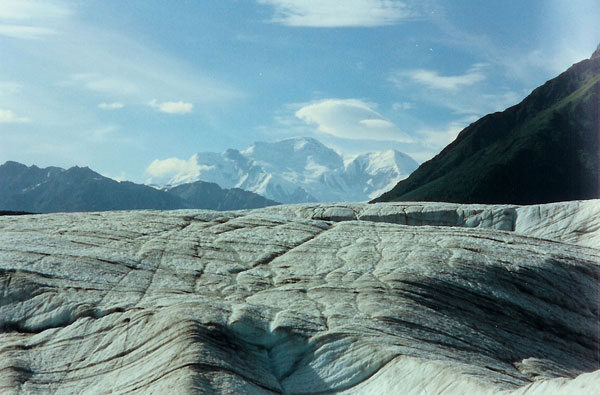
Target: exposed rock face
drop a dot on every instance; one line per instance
(385, 298)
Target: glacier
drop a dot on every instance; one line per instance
(346, 298)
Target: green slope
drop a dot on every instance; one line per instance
(544, 149)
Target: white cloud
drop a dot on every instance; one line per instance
(111, 106)
(377, 124)
(351, 119)
(25, 32)
(172, 107)
(8, 116)
(175, 170)
(432, 79)
(334, 13)
(32, 9)
(30, 19)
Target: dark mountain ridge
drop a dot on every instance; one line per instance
(544, 149)
(208, 195)
(32, 189)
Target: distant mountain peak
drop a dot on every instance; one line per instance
(301, 170)
(11, 163)
(293, 144)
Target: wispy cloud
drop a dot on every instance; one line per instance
(111, 106)
(31, 19)
(102, 83)
(8, 116)
(402, 106)
(575, 35)
(437, 139)
(350, 119)
(111, 85)
(96, 65)
(334, 13)
(172, 107)
(121, 67)
(542, 56)
(433, 80)
(25, 32)
(463, 94)
(32, 10)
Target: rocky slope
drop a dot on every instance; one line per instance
(545, 149)
(54, 189)
(208, 195)
(347, 298)
(300, 170)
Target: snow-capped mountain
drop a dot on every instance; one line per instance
(300, 170)
(376, 171)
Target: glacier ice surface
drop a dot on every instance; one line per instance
(386, 298)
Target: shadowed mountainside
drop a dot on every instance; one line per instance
(208, 195)
(544, 149)
(53, 189)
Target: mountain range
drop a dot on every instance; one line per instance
(301, 169)
(53, 189)
(544, 149)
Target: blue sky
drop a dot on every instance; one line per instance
(115, 85)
